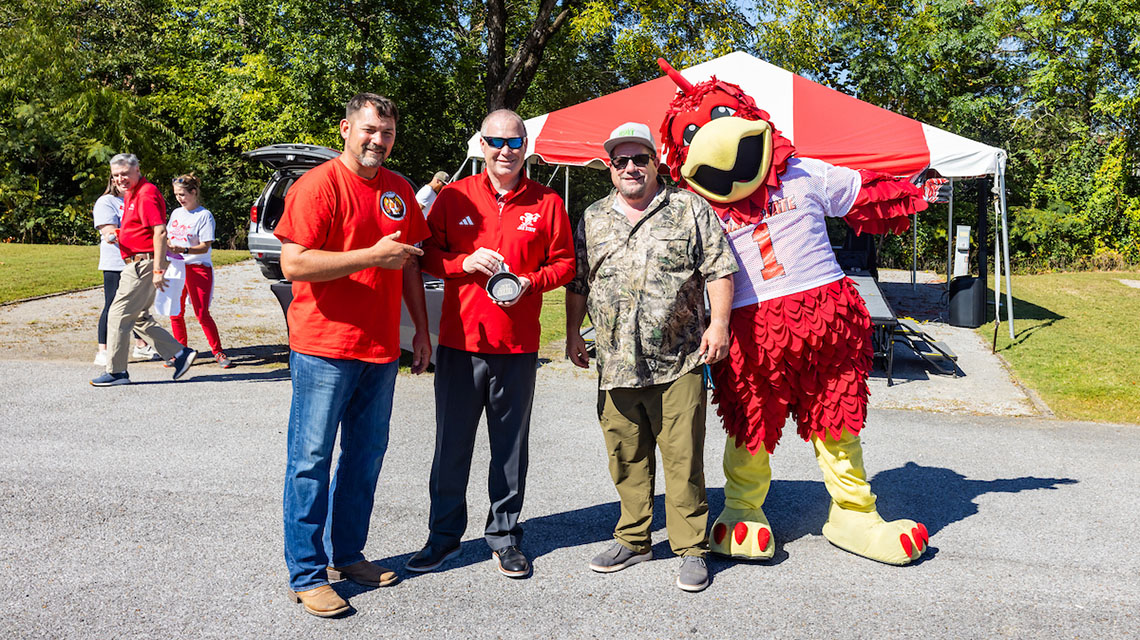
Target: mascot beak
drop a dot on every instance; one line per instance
(729, 158)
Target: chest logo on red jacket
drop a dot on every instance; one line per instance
(393, 205)
(527, 221)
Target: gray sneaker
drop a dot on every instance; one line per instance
(617, 557)
(694, 575)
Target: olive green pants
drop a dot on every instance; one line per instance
(671, 417)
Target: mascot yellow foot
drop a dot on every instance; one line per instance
(742, 534)
(867, 534)
(853, 524)
(742, 530)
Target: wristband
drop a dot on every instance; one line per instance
(159, 272)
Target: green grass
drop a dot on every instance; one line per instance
(553, 320)
(1077, 343)
(30, 270)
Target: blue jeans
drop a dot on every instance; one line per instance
(329, 521)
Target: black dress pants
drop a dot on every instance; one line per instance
(466, 384)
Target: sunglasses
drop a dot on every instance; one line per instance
(498, 143)
(641, 160)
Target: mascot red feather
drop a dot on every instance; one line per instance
(801, 334)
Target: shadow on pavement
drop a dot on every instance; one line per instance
(237, 375)
(934, 496)
(254, 356)
(938, 497)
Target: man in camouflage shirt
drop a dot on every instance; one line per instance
(645, 255)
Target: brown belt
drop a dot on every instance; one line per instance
(139, 256)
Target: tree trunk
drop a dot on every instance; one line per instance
(507, 85)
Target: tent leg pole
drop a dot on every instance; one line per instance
(950, 237)
(566, 189)
(997, 266)
(914, 257)
(1005, 239)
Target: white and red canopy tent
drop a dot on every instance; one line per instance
(821, 122)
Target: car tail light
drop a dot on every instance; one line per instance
(253, 213)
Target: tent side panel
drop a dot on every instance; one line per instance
(955, 156)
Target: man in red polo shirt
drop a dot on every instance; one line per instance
(488, 347)
(142, 243)
(347, 239)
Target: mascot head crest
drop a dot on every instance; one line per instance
(719, 143)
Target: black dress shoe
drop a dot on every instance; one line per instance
(430, 557)
(512, 562)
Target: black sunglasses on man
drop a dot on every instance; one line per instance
(641, 160)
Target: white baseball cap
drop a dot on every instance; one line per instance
(630, 132)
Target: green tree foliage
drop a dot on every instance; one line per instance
(67, 107)
(188, 86)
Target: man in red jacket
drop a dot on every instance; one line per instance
(488, 347)
(142, 243)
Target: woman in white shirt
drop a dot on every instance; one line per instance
(190, 233)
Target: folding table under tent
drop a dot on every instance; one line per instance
(821, 122)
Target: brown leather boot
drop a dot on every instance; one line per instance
(365, 573)
(322, 601)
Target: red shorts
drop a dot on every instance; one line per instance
(808, 353)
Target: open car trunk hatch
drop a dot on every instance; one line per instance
(283, 157)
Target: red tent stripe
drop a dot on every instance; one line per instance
(837, 128)
(575, 134)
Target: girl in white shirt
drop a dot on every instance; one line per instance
(190, 233)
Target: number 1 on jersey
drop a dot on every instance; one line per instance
(763, 239)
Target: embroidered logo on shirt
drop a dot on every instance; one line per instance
(467, 222)
(528, 220)
(393, 205)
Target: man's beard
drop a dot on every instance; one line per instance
(371, 161)
(633, 191)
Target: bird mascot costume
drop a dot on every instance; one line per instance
(801, 334)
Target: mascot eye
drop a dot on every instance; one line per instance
(721, 112)
(690, 131)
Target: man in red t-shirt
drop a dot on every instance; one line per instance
(347, 239)
(488, 347)
(142, 243)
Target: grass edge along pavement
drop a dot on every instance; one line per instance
(1076, 343)
(34, 270)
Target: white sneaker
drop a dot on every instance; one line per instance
(145, 352)
(101, 358)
